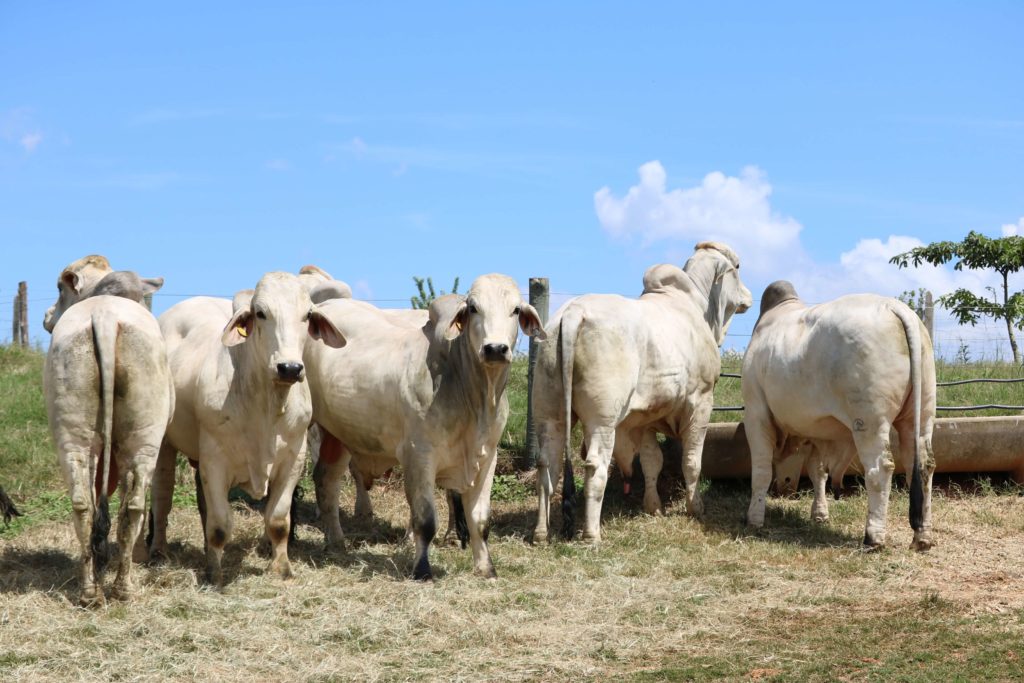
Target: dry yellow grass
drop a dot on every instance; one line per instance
(661, 598)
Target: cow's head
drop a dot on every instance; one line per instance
(275, 323)
(715, 270)
(93, 276)
(490, 318)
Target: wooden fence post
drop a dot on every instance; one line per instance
(23, 312)
(539, 299)
(929, 315)
(16, 322)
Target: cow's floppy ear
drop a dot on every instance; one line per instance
(321, 327)
(70, 280)
(455, 325)
(238, 329)
(151, 284)
(529, 322)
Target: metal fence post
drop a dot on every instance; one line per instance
(539, 299)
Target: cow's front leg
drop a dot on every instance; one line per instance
(161, 500)
(277, 513)
(478, 515)
(600, 445)
(651, 461)
(218, 517)
(134, 483)
(330, 468)
(551, 442)
(693, 451)
(419, 491)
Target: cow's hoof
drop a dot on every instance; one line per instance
(92, 598)
(819, 519)
(922, 544)
(540, 537)
(283, 570)
(488, 573)
(122, 592)
(422, 572)
(157, 556)
(872, 545)
(214, 576)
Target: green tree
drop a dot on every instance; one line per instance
(426, 295)
(916, 301)
(1004, 255)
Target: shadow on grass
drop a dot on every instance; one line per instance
(29, 570)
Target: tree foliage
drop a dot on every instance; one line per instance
(1004, 255)
(426, 295)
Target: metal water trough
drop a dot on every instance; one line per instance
(961, 444)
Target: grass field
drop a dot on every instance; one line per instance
(662, 598)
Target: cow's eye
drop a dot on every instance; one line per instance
(472, 308)
(261, 315)
(305, 318)
(517, 310)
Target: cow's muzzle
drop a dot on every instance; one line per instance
(496, 353)
(290, 373)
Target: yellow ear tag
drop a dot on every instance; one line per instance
(241, 330)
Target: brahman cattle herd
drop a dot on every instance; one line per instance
(244, 387)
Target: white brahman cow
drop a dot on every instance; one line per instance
(430, 399)
(243, 407)
(842, 374)
(627, 368)
(109, 397)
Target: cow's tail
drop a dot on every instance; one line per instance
(911, 326)
(568, 329)
(7, 509)
(104, 334)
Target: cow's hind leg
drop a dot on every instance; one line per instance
(551, 442)
(327, 474)
(131, 515)
(926, 468)
(651, 461)
(873, 448)
(161, 500)
(693, 450)
(761, 437)
(818, 469)
(600, 446)
(75, 466)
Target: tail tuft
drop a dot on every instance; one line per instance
(98, 541)
(568, 500)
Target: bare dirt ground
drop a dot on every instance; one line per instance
(662, 598)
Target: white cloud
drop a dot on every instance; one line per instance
(732, 209)
(1010, 229)
(31, 140)
(16, 126)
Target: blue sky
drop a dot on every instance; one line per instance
(209, 144)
